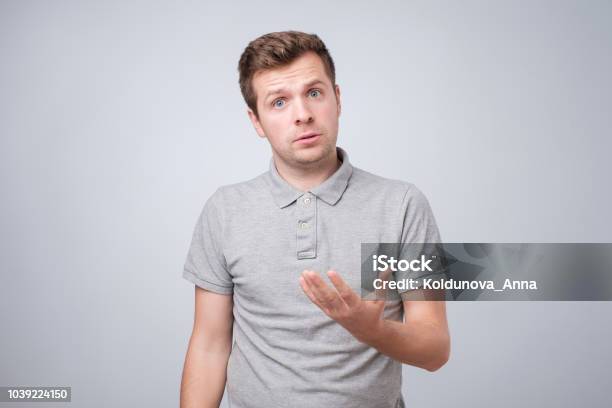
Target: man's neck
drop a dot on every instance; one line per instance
(307, 177)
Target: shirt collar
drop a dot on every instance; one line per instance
(330, 190)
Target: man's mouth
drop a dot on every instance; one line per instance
(308, 137)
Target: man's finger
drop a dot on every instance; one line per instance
(306, 289)
(328, 297)
(314, 295)
(385, 276)
(346, 293)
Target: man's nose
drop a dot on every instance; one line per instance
(303, 114)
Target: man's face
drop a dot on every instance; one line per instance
(298, 109)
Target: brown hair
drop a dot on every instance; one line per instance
(274, 50)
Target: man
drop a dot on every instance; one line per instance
(276, 259)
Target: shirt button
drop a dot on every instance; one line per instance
(303, 225)
(307, 200)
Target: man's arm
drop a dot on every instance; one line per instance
(421, 340)
(210, 345)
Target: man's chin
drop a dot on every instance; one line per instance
(311, 155)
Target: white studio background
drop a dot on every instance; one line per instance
(119, 118)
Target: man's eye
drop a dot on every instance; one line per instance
(314, 93)
(279, 103)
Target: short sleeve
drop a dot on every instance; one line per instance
(420, 237)
(205, 265)
(419, 223)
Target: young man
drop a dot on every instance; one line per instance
(276, 260)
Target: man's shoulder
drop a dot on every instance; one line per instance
(244, 187)
(238, 192)
(365, 180)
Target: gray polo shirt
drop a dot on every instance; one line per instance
(253, 240)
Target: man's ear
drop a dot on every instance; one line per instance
(256, 123)
(337, 89)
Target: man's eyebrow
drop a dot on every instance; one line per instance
(314, 82)
(273, 92)
(277, 91)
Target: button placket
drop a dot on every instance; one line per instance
(306, 243)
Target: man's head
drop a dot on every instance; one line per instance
(288, 82)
